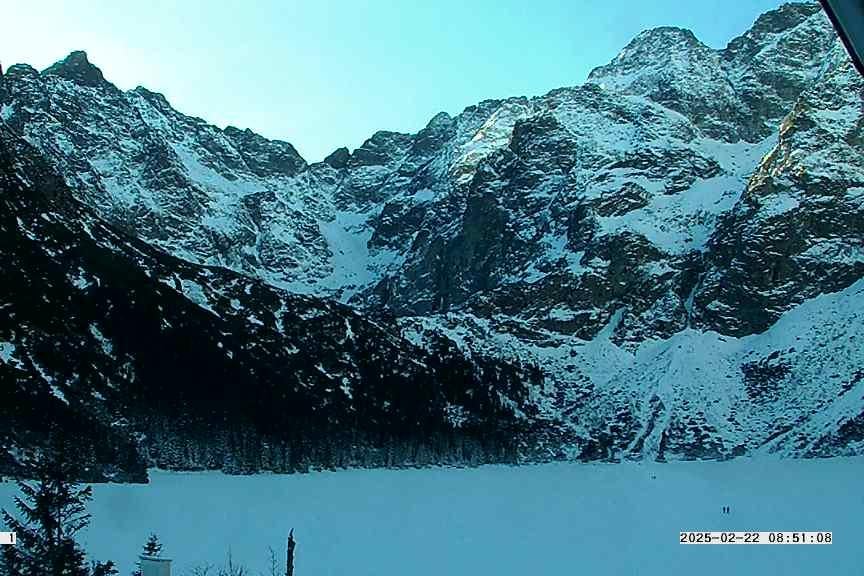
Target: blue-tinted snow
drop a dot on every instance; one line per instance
(550, 519)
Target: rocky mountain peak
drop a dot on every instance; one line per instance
(21, 70)
(672, 67)
(77, 68)
(738, 93)
(666, 49)
(771, 25)
(338, 158)
(382, 148)
(784, 17)
(265, 157)
(655, 47)
(663, 36)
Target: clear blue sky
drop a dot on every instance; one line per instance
(323, 74)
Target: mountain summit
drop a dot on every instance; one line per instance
(77, 68)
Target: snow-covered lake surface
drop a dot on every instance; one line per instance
(557, 519)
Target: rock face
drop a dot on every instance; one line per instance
(738, 93)
(676, 244)
(798, 229)
(145, 359)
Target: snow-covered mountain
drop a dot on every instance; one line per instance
(141, 358)
(676, 244)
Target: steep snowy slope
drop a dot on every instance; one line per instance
(796, 389)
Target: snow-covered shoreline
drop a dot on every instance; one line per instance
(545, 519)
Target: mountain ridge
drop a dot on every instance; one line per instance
(637, 239)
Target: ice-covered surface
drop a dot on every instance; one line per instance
(550, 519)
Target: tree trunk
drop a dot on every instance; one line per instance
(289, 564)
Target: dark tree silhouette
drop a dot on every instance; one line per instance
(50, 512)
(152, 548)
(289, 563)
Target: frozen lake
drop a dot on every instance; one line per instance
(568, 519)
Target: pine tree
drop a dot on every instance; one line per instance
(152, 548)
(103, 569)
(50, 512)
